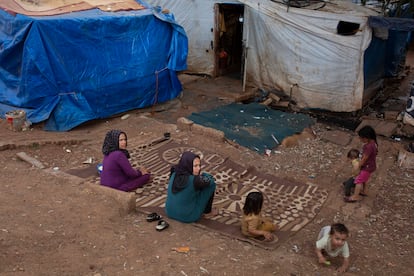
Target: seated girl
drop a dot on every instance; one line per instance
(252, 223)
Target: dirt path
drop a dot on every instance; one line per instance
(53, 225)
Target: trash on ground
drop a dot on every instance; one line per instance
(181, 249)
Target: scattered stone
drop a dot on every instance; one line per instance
(337, 137)
(274, 97)
(384, 128)
(405, 159)
(23, 156)
(281, 104)
(126, 116)
(245, 97)
(184, 124)
(267, 102)
(391, 115)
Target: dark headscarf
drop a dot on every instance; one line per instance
(111, 142)
(183, 170)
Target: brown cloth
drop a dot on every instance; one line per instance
(53, 7)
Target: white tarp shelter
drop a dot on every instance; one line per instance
(294, 50)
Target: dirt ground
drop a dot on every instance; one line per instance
(52, 225)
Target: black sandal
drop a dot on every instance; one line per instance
(153, 217)
(162, 224)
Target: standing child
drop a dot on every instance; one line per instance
(332, 242)
(368, 163)
(353, 156)
(253, 224)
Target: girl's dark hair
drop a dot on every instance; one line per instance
(368, 132)
(338, 228)
(353, 153)
(253, 203)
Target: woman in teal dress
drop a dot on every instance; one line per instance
(190, 192)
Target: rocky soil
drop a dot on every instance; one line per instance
(52, 224)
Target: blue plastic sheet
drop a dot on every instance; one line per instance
(71, 68)
(253, 125)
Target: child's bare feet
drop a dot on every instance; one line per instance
(268, 236)
(350, 199)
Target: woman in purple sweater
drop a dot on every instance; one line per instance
(117, 171)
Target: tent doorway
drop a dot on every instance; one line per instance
(228, 40)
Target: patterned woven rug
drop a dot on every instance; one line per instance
(291, 205)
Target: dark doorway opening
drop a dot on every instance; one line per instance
(229, 44)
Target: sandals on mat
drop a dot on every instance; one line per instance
(153, 217)
(162, 224)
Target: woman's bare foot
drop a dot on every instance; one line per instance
(214, 212)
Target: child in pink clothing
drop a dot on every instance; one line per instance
(368, 163)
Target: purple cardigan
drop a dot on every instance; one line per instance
(118, 173)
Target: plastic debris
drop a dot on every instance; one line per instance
(181, 249)
(88, 161)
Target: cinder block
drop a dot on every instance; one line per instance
(184, 124)
(126, 201)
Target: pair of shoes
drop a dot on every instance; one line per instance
(162, 224)
(349, 200)
(362, 194)
(153, 217)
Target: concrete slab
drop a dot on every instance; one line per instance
(391, 115)
(406, 159)
(408, 130)
(126, 202)
(337, 137)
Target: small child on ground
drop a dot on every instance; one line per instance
(368, 163)
(332, 242)
(353, 156)
(252, 223)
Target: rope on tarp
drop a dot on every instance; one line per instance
(302, 3)
(156, 85)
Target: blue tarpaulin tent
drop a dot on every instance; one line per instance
(71, 68)
(389, 50)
